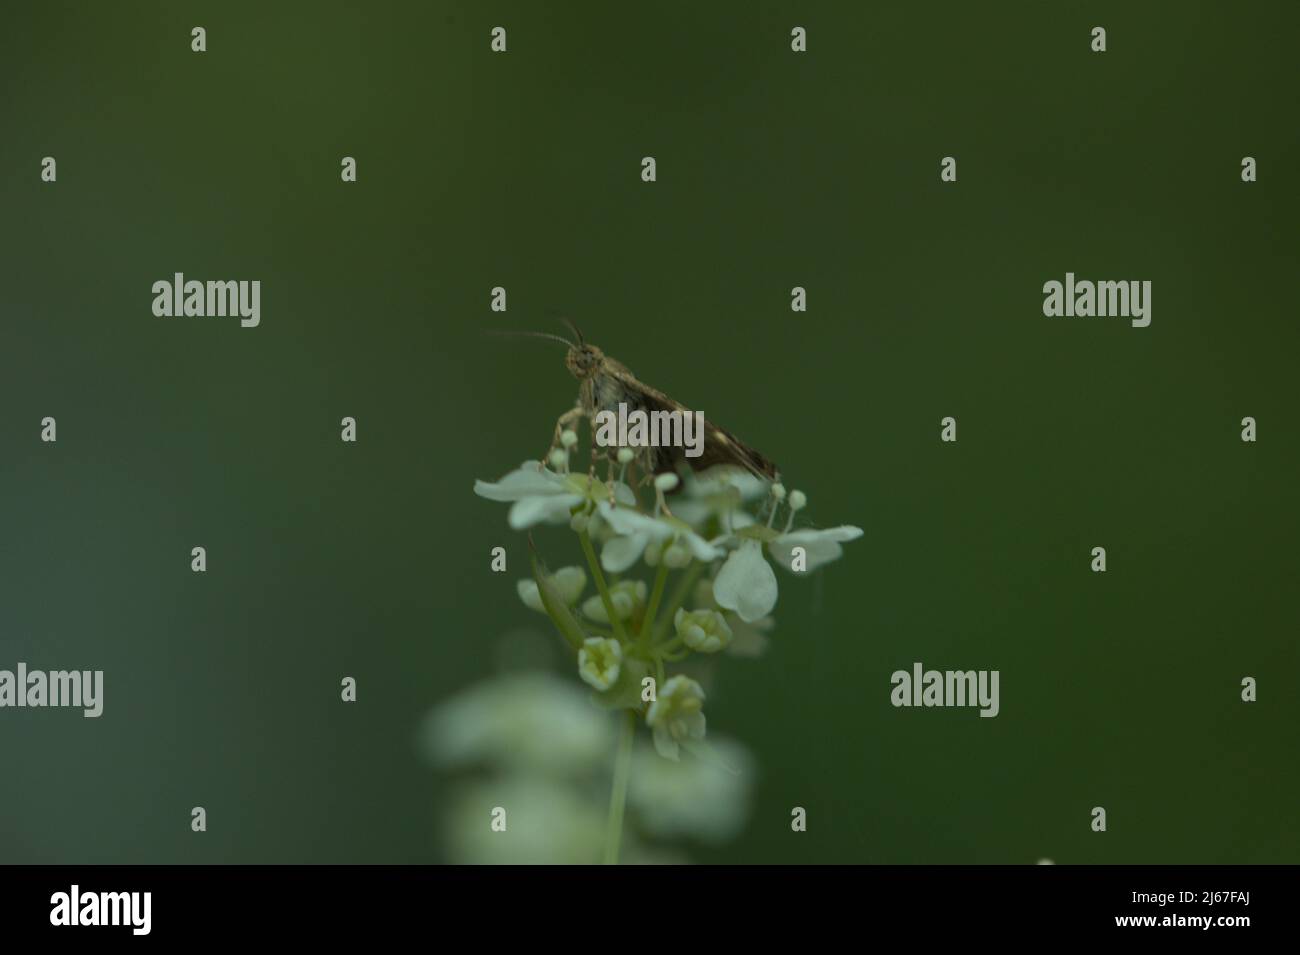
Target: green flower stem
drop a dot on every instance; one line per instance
(661, 579)
(669, 646)
(594, 564)
(618, 793)
(680, 593)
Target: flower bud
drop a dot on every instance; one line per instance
(568, 581)
(599, 662)
(702, 630)
(667, 481)
(627, 596)
(677, 555)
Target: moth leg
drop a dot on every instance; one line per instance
(659, 499)
(648, 464)
(609, 473)
(561, 423)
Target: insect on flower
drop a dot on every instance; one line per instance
(606, 383)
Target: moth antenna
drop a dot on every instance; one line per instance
(501, 333)
(574, 328)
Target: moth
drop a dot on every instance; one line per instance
(605, 383)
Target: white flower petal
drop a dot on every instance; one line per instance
(692, 512)
(553, 509)
(530, 595)
(623, 520)
(718, 480)
(746, 583)
(665, 745)
(570, 582)
(527, 481)
(620, 553)
(820, 546)
(700, 548)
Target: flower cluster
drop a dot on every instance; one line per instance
(717, 542)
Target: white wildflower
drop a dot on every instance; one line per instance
(539, 495)
(676, 715)
(635, 531)
(819, 546)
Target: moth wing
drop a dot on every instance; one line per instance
(721, 447)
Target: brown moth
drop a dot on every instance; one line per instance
(605, 382)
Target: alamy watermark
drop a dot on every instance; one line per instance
(211, 299)
(651, 429)
(82, 689)
(75, 907)
(1085, 299)
(923, 687)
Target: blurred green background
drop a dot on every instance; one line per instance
(774, 170)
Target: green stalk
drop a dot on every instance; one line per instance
(605, 599)
(618, 792)
(680, 593)
(668, 646)
(661, 579)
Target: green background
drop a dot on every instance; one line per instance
(774, 170)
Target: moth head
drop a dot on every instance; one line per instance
(583, 361)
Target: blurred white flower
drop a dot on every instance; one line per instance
(676, 715)
(569, 581)
(718, 493)
(627, 596)
(703, 630)
(526, 721)
(599, 662)
(546, 822)
(706, 799)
